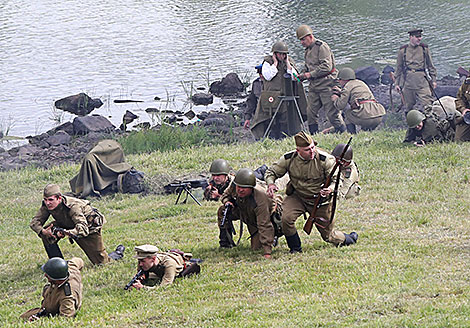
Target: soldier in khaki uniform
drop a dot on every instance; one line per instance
(63, 294)
(428, 127)
(462, 104)
(349, 177)
(78, 219)
(308, 168)
(320, 70)
(253, 97)
(249, 202)
(287, 120)
(364, 110)
(220, 179)
(413, 60)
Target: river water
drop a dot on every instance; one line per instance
(135, 49)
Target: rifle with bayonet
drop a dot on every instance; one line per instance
(319, 221)
(137, 276)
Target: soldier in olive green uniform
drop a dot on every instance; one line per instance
(249, 202)
(349, 177)
(413, 60)
(364, 110)
(320, 70)
(63, 294)
(308, 169)
(429, 127)
(79, 219)
(462, 104)
(220, 180)
(252, 100)
(287, 120)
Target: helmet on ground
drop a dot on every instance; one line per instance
(56, 268)
(280, 47)
(303, 31)
(347, 74)
(339, 150)
(245, 178)
(219, 166)
(414, 117)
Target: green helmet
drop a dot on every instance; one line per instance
(303, 31)
(339, 150)
(280, 47)
(245, 178)
(347, 74)
(414, 117)
(219, 166)
(56, 268)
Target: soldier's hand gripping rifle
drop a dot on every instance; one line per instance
(137, 276)
(227, 224)
(56, 230)
(322, 222)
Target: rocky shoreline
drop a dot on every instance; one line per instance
(69, 142)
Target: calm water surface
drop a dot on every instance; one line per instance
(141, 49)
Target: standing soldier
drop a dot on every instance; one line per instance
(462, 104)
(320, 70)
(63, 294)
(220, 179)
(76, 219)
(364, 110)
(349, 183)
(287, 120)
(308, 169)
(414, 62)
(253, 97)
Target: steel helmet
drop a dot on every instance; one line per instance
(219, 166)
(56, 268)
(280, 47)
(414, 117)
(245, 178)
(303, 31)
(339, 150)
(347, 74)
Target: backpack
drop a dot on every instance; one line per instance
(131, 182)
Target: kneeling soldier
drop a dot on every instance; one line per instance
(63, 294)
(249, 203)
(220, 179)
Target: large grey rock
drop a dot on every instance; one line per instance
(93, 123)
(229, 85)
(80, 104)
(202, 98)
(60, 138)
(368, 74)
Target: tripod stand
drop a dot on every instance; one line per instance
(187, 188)
(291, 99)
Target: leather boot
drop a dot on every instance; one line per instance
(294, 243)
(340, 129)
(350, 239)
(118, 253)
(351, 128)
(313, 128)
(224, 241)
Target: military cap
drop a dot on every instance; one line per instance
(51, 190)
(144, 251)
(302, 139)
(415, 32)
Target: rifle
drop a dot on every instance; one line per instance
(434, 93)
(56, 230)
(463, 72)
(139, 274)
(392, 77)
(227, 224)
(318, 200)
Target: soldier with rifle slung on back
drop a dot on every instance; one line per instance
(308, 168)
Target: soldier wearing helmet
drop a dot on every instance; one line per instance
(250, 204)
(78, 219)
(349, 174)
(63, 294)
(363, 109)
(308, 168)
(320, 70)
(220, 179)
(277, 70)
(427, 127)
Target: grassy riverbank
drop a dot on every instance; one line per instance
(409, 268)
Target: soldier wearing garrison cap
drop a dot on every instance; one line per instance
(414, 63)
(308, 168)
(78, 219)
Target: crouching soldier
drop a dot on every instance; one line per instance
(155, 267)
(426, 128)
(248, 202)
(63, 294)
(349, 177)
(76, 219)
(220, 179)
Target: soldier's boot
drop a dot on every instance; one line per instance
(313, 128)
(350, 239)
(294, 243)
(118, 253)
(340, 129)
(224, 241)
(53, 250)
(351, 128)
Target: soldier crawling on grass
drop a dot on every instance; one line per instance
(428, 127)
